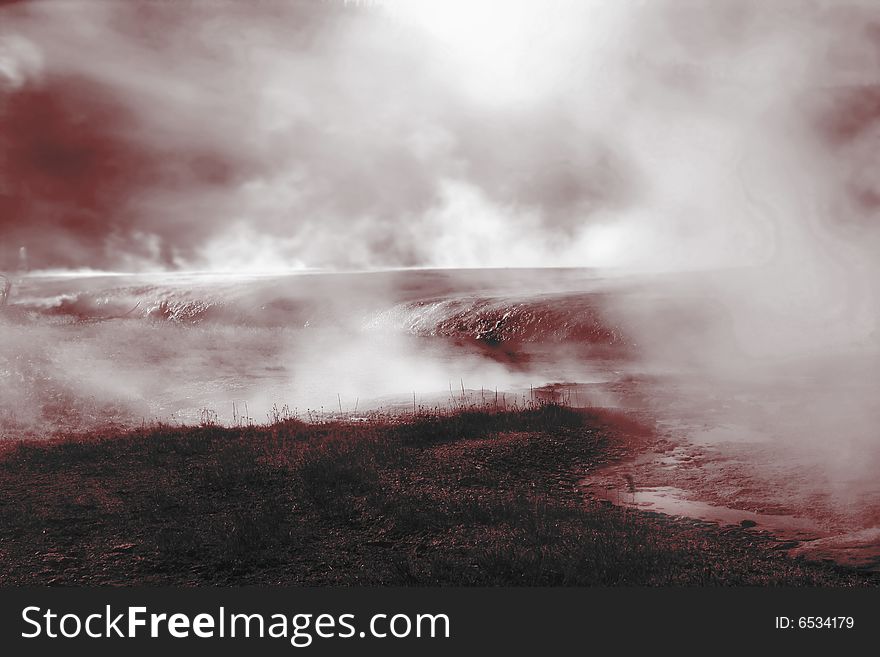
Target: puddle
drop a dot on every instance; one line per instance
(665, 475)
(673, 501)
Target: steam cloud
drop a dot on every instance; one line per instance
(154, 135)
(737, 138)
(657, 136)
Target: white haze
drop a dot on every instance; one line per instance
(647, 137)
(659, 136)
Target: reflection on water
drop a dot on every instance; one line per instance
(790, 445)
(81, 351)
(735, 459)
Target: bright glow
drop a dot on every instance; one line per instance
(500, 52)
(243, 250)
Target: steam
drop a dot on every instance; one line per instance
(733, 137)
(361, 135)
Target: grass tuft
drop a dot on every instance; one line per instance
(473, 497)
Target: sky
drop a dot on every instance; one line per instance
(288, 134)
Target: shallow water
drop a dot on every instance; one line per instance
(79, 351)
(728, 464)
(790, 444)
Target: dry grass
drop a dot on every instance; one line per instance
(475, 497)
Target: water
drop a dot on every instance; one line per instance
(79, 351)
(745, 456)
(789, 444)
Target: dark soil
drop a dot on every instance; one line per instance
(469, 498)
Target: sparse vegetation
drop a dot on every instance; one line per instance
(472, 497)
